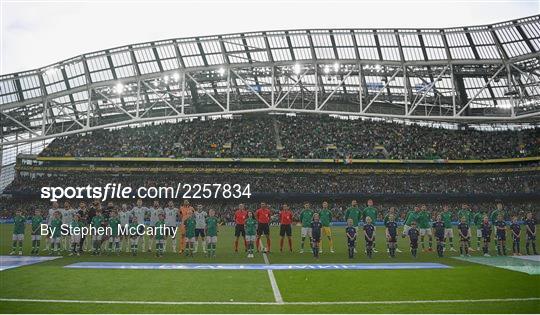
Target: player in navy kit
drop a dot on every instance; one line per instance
(486, 235)
(515, 228)
(438, 231)
(350, 231)
(316, 228)
(463, 228)
(413, 234)
(391, 235)
(500, 228)
(369, 236)
(530, 227)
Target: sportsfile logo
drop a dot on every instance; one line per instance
(122, 230)
(119, 191)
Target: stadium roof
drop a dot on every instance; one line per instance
(463, 74)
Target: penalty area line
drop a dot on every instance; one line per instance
(270, 303)
(273, 282)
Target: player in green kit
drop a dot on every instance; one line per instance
(19, 222)
(446, 217)
(370, 211)
(36, 219)
(412, 216)
(251, 231)
(190, 223)
(424, 223)
(306, 216)
(97, 220)
(477, 219)
(160, 234)
(114, 238)
(465, 212)
(325, 215)
(55, 226)
(211, 233)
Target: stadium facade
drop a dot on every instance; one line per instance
(487, 74)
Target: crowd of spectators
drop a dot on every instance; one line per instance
(296, 183)
(308, 136)
(197, 138)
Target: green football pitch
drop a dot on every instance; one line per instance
(467, 287)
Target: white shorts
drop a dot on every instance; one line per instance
(211, 239)
(134, 240)
(160, 241)
(425, 232)
(55, 239)
(306, 231)
(449, 233)
(406, 229)
(190, 239)
(250, 238)
(114, 239)
(36, 237)
(18, 237)
(479, 233)
(97, 237)
(75, 238)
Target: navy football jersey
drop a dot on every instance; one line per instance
(351, 232)
(392, 228)
(464, 229)
(439, 228)
(500, 224)
(486, 229)
(316, 227)
(413, 233)
(369, 229)
(516, 228)
(531, 224)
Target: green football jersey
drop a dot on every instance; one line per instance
(411, 217)
(97, 220)
(464, 213)
(354, 214)
(251, 226)
(211, 226)
(494, 214)
(56, 224)
(447, 219)
(36, 224)
(113, 223)
(160, 232)
(306, 216)
(19, 223)
(477, 218)
(424, 220)
(326, 217)
(190, 227)
(370, 212)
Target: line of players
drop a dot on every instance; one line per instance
(197, 225)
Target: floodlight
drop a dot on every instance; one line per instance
(166, 78)
(326, 69)
(336, 67)
(176, 76)
(118, 88)
(221, 71)
(296, 68)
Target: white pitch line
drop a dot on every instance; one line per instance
(273, 283)
(271, 303)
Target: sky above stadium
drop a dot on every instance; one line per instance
(37, 33)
